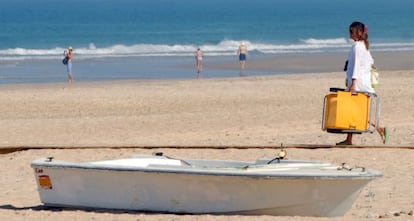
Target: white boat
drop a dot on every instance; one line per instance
(158, 183)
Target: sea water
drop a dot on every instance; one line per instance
(153, 39)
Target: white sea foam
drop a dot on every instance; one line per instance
(223, 48)
(334, 41)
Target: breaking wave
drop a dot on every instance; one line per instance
(223, 48)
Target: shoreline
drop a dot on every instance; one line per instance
(165, 68)
(323, 62)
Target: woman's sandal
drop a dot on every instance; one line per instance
(383, 132)
(386, 135)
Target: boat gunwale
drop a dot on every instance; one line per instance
(366, 174)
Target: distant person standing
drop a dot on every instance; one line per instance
(69, 56)
(199, 62)
(242, 52)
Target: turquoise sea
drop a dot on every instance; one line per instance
(154, 39)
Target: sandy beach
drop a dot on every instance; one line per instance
(236, 112)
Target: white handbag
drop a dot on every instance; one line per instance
(374, 76)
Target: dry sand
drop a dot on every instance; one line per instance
(248, 111)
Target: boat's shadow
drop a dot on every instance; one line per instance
(59, 209)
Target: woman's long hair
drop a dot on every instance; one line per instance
(361, 30)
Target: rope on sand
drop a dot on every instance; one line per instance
(11, 149)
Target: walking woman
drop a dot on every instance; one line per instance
(358, 70)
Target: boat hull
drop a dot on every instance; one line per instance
(195, 192)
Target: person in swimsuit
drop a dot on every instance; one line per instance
(242, 52)
(69, 55)
(199, 62)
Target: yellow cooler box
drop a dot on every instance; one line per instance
(346, 112)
